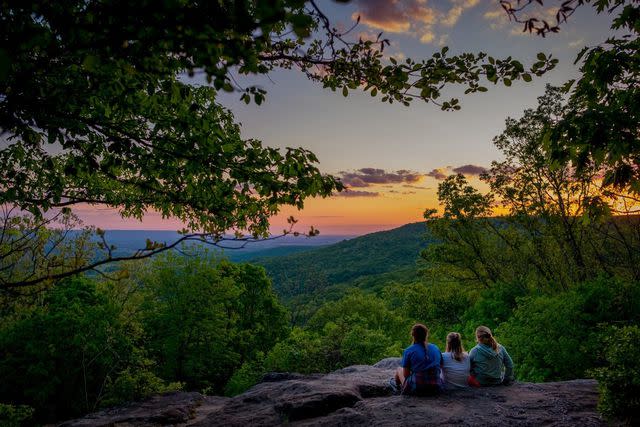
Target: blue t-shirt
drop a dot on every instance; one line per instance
(423, 362)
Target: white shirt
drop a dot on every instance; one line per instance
(455, 373)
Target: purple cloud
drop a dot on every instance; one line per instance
(439, 174)
(470, 170)
(369, 176)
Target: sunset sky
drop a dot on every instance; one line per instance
(392, 156)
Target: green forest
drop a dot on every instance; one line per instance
(548, 256)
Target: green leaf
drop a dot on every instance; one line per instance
(567, 86)
(581, 54)
(91, 62)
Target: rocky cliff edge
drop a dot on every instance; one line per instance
(361, 396)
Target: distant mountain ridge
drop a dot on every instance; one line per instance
(126, 242)
(324, 265)
(355, 259)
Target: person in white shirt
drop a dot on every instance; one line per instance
(455, 363)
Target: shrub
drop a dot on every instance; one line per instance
(135, 384)
(619, 380)
(58, 356)
(559, 337)
(246, 377)
(203, 319)
(14, 415)
(301, 352)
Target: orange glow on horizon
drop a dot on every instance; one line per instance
(393, 206)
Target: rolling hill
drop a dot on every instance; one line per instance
(385, 255)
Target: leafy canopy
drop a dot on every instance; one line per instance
(600, 124)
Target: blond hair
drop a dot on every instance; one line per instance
(485, 336)
(454, 346)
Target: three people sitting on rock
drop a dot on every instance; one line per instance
(424, 370)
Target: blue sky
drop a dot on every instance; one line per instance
(360, 132)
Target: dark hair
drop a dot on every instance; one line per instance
(454, 346)
(419, 332)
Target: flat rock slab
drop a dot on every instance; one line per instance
(360, 395)
(173, 408)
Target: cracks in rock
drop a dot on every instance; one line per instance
(313, 408)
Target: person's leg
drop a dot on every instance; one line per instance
(400, 376)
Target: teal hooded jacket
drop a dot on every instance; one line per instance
(487, 365)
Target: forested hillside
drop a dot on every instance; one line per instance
(361, 258)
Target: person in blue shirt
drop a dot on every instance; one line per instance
(419, 371)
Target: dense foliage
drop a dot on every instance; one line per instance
(198, 324)
(318, 269)
(571, 328)
(178, 322)
(201, 322)
(600, 123)
(555, 226)
(620, 378)
(60, 353)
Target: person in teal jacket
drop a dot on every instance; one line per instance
(490, 362)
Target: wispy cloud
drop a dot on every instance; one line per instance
(443, 39)
(380, 178)
(394, 16)
(401, 192)
(499, 19)
(417, 18)
(459, 6)
(576, 43)
(416, 187)
(427, 37)
(357, 193)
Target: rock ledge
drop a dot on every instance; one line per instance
(360, 395)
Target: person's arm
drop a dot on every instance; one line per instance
(406, 364)
(508, 367)
(472, 362)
